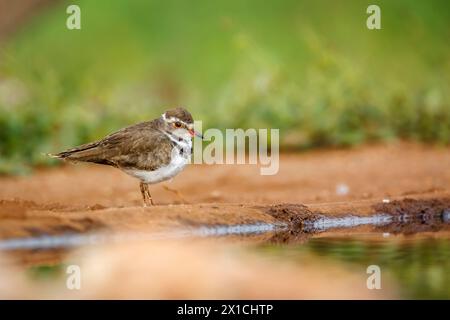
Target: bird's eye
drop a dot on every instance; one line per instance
(177, 124)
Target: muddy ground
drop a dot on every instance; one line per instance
(90, 197)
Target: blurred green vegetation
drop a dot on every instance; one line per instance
(46, 272)
(420, 267)
(310, 68)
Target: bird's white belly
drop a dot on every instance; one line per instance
(176, 164)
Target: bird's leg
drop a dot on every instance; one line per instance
(178, 193)
(149, 196)
(145, 194)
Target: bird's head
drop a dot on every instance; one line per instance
(179, 122)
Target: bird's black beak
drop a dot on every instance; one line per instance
(195, 133)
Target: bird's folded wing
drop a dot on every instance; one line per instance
(138, 147)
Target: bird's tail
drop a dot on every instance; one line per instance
(84, 152)
(51, 155)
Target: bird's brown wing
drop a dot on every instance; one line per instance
(139, 146)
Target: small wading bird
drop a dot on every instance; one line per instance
(152, 151)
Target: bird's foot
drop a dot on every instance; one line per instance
(177, 193)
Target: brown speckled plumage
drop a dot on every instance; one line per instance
(144, 146)
(141, 146)
(181, 114)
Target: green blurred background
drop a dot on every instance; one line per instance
(310, 68)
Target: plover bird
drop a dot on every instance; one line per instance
(152, 151)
